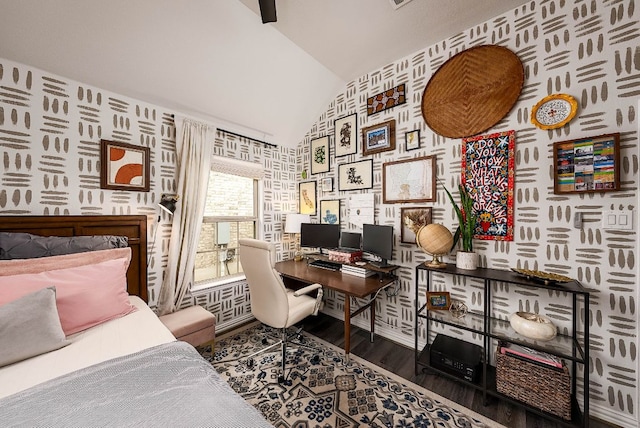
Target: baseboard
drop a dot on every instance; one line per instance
(618, 419)
(233, 324)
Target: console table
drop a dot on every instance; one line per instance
(569, 347)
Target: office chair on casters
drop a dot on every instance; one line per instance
(271, 302)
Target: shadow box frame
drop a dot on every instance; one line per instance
(139, 154)
(587, 165)
(407, 236)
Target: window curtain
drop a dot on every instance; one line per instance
(194, 148)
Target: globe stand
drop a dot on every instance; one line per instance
(435, 262)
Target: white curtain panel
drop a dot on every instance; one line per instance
(194, 147)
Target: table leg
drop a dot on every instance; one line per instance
(373, 318)
(347, 326)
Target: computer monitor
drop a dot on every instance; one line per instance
(319, 235)
(350, 240)
(377, 240)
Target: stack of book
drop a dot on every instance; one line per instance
(357, 271)
(528, 354)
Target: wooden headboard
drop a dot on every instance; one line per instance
(132, 226)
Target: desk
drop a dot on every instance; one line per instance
(349, 285)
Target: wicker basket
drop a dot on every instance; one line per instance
(547, 389)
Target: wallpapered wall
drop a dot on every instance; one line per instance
(50, 129)
(50, 132)
(590, 50)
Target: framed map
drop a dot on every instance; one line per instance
(410, 180)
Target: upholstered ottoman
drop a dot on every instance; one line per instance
(194, 325)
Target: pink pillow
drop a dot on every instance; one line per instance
(85, 295)
(42, 264)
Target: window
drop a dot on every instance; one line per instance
(231, 213)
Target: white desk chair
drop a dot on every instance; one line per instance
(271, 302)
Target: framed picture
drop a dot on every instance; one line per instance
(412, 140)
(307, 198)
(326, 184)
(379, 138)
(330, 211)
(587, 165)
(320, 155)
(345, 135)
(124, 166)
(387, 99)
(410, 180)
(411, 220)
(355, 175)
(438, 300)
(488, 163)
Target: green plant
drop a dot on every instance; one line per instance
(466, 218)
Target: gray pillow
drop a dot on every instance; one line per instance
(17, 245)
(30, 326)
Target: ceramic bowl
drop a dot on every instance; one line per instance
(533, 326)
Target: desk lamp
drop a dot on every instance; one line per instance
(293, 224)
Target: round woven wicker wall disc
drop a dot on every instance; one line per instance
(472, 91)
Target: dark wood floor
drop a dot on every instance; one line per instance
(399, 359)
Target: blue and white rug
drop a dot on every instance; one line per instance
(329, 391)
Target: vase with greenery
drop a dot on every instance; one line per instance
(466, 226)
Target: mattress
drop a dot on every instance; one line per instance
(123, 336)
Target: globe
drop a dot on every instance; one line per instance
(435, 240)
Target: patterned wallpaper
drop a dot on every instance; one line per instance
(589, 49)
(50, 132)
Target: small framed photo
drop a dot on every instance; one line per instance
(307, 198)
(438, 300)
(326, 184)
(379, 138)
(412, 140)
(330, 211)
(345, 135)
(320, 155)
(587, 165)
(411, 220)
(124, 166)
(355, 175)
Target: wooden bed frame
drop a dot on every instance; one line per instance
(132, 226)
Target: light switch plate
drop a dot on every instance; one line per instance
(617, 220)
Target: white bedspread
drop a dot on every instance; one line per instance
(132, 333)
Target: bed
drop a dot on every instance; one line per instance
(118, 368)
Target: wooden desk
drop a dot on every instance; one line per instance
(349, 285)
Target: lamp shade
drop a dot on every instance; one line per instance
(168, 203)
(293, 221)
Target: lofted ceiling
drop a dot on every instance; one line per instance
(215, 60)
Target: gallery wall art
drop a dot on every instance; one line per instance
(488, 175)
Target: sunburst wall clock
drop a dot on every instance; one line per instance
(554, 111)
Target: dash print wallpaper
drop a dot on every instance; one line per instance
(586, 48)
(50, 132)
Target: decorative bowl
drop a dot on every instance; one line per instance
(533, 326)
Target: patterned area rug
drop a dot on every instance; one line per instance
(329, 392)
